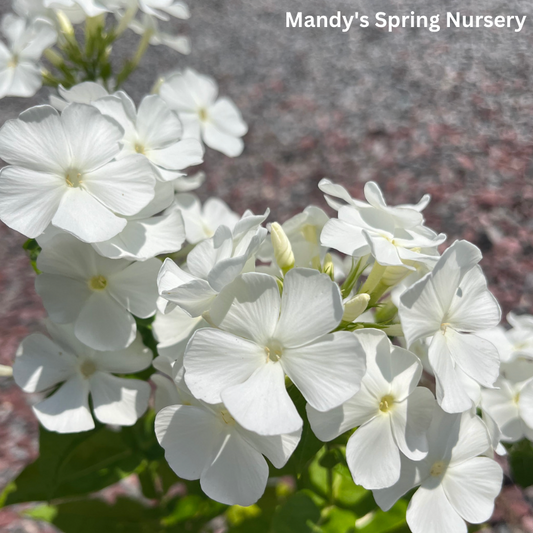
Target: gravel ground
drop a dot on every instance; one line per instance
(449, 113)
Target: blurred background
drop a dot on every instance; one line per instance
(447, 113)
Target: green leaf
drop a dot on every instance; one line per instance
(90, 516)
(337, 521)
(74, 464)
(47, 513)
(392, 521)
(521, 462)
(298, 515)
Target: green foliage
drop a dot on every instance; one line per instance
(298, 515)
(521, 462)
(33, 250)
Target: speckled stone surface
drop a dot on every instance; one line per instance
(449, 113)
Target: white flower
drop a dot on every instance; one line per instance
(511, 406)
(205, 442)
(217, 121)
(20, 74)
(201, 222)
(83, 93)
(450, 304)
(156, 8)
(153, 131)
(392, 413)
(303, 231)
(213, 264)
(172, 332)
(180, 43)
(63, 173)
(455, 484)
(262, 338)
(42, 363)
(92, 8)
(96, 294)
(394, 236)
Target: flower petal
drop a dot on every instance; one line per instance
(134, 358)
(157, 125)
(183, 154)
(218, 139)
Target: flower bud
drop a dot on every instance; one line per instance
(329, 268)
(6, 371)
(282, 248)
(65, 24)
(355, 307)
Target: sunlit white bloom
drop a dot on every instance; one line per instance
(148, 23)
(92, 8)
(172, 333)
(450, 304)
(41, 364)
(153, 131)
(20, 73)
(83, 93)
(205, 442)
(201, 222)
(455, 484)
(264, 337)
(156, 8)
(511, 404)
(303, 231)
(392, 413)
(96, 294)
(217, 122)
(213, 264)
(63, 173)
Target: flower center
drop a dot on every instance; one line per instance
(202, 113)
(98, 283)
(438, 468)
(139, 148)
(227, 418)
(88, 368)
(309, 233)
(516, 398)
(274, 351)
(73, 178)
(444, 326)
(13, 62)
(386, 403)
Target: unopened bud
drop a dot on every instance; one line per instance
(394, 330)
(282, 248)
(65, 24)
(329, 268)
(6, 371)
(355, 307)
(394, 274)
(53, 57)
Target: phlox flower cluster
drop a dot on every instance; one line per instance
(390, 339)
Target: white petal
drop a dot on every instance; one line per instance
(83, 216)
(238, 473)
(117, 400)
(156, 124)
(344, 237)
(113, 106)
(124, 186)
(183, 154)
(311, 306)
(227, 117)
(103, 324)
(93, 138)
(471, 488)
(134, 358)
(501, 406)
(373, 456)
(41, 364)
(383, 250)
(215, 360)
(27, 80)
(248, 307)
(328, 371)
(218, 139)
(472, 439)
(410, 421)
(526, 403)
(29, 199)
(355, 412)
(450, 391)
(36, 140)
(67, 410)
(135, 287)
(430, 510)
(166, 393)
(208, 253)
(195, 297)
(188, 435)
(262, 404)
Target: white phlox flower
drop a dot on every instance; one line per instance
(172, 333)
(217, 122)
(303, 231)
(204, 442)
(20, 73)
(33, 9)
(155, 8)
(153, 131)
(450, 304)
(184, 184)
(395, 236)
(392, 413)
(92, 8)
(455, 484)
(201, 221)
(149, 23)
(213, 264)
(62, 171)
(510, 405)
(41, 364)
(83, 93)
(264, 337)
(97, 295)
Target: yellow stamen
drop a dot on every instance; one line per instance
(228, 419)
(386, 403)
(139, 148)
(98, 283)
(438, 469)
(202, 112)
(88, 368)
